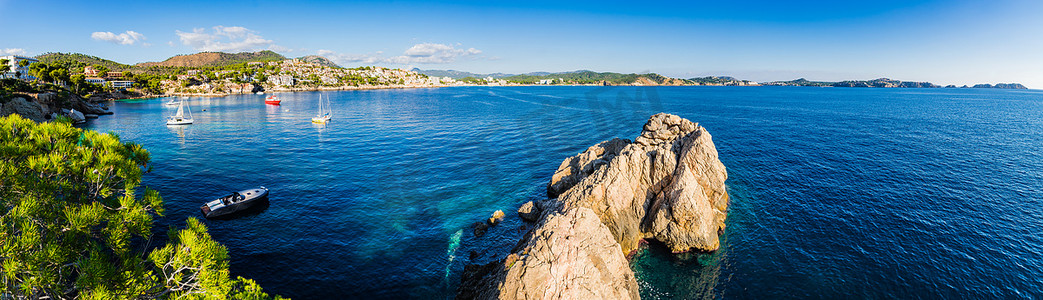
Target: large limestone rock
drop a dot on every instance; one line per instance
(76, 116)
(667, 185)
(569, 255)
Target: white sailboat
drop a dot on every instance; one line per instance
(179, 117)
(325, 112)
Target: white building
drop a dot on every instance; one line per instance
(22, 72)
(121, 83)
(95, 80)
(286, 80)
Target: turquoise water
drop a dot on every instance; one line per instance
(871, 193)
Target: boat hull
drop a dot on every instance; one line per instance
(179, 122)
(223, 206)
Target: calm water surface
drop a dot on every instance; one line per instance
(870, 193)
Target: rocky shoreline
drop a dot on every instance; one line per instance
(666, 185)
(44, 107)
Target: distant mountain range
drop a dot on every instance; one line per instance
(884, 83)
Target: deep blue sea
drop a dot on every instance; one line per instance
(835, 192)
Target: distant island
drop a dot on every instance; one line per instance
(886, 83)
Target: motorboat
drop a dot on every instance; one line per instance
(237, 201)
(272, 99)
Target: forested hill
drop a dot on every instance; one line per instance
(215, 59)
(77, 59)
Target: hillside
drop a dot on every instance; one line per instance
(878, 83)
(799, 82)
(73, 60)
(454, 74)
(319, 60)
(215, 59)
(1011, 86)
(577, 77)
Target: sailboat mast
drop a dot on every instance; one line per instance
(180, 109)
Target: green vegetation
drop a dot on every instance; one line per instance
(578, 77)
(11, 88)
(473, 80)
(74, 223)
(76, 61)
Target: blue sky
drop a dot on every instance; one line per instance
(945, 42)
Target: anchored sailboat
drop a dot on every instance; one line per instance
(179, 117)
(325, 111)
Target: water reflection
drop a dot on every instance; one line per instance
(179, 130)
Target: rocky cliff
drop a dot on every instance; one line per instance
(667, 185)
(48, 106)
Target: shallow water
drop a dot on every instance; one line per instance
(872, 193)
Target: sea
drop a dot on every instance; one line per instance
(835, 192)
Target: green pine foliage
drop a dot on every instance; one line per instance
(73, 225)
(77, 60)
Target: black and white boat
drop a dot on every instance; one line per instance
(237, 201)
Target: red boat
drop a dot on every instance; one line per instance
(273, 100)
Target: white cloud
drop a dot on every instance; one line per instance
(12, 51)
(431, 53)
(278, 48)
(350, 59)
(127, 38)
(425, 53)
(227, 39)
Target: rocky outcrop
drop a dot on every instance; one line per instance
(76, 116)
(667, 185)
(569, 255)
(529, 211)
(575, 168)
(25, 108)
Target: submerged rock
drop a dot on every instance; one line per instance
(667, 185)
(480, 228)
